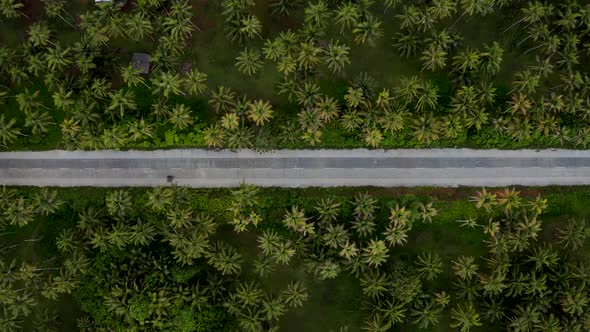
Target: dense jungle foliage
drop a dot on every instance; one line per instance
(293, 73)
(250, 259)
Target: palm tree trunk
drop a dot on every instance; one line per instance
(25, 15)
(532, 49)
(514, 24)
(522, 41)
(459, 19)
(32, 240)
(67, 22)
(48, 269)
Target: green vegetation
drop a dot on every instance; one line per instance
(292, 74)
(250, 259)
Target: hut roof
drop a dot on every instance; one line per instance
(141, 61)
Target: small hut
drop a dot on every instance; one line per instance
(141, 62)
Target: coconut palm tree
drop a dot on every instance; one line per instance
(38, 122)
(526, 81)
(429, 265)
(35, 64)
(230, 121)
(295, 294)
(179, 217)
(376, 253)
(120, 102)
(573, 235)
(159, 198)
(475, 7)
(39, 35)
(328, 209)
(142, 233)
(70, 127)
(54, 8)
(132, 76)
(57, 59)
(47, 201)
(273, 308)
(485, 200)
(225, 258)
(426, 129)
(214, 136)
(250, 26)
(195, 82)
(274, 49)
(9, 8)
(180, 116)
(375, 284)
(426, 314)
(62, 98)
(308, 57)
(407, 44)
(307, 94)
(396, 234)
(349, 251)
(327, 108)
(337, 56)
(467, 60)
(223, 99)
(434, 57)
(373, 137)
(428, 97)
(249, 61)
(442, 9)
(119, 203)
(140, 129)
(534, 13)
(364, 206)
(240, 138)
(296, 220)
(8, 131)
(347, 15)
(284, 7)
(376, 323)
(119, 235)
(393, 311)
(465, 267)
(249, 294)
(19, 212)
(167, 83)
(335, 236)
(509, 199)
(66, 241)
(465, 317)
(368, 31)
(525, 318)
(268, 241)
(317, 13)
(310, 119)
(354, 97)
(138, 26)
(283, 252)
(427, 212)
(260, 112)
(409, 88)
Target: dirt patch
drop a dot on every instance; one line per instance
(33, 9)
(201, 19)
(198, 5)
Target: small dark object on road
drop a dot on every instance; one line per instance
(170, 178)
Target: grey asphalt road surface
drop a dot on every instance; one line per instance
(297, 168)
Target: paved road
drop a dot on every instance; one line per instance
(297, 168)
